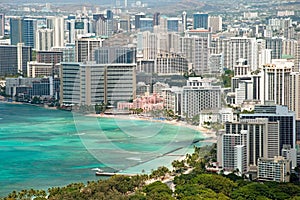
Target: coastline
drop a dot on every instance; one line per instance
(177, 154)
(207, 134)
(80, 166)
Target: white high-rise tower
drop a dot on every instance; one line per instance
(57, 24)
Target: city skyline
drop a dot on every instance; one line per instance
(230, 71)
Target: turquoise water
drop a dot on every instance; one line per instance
(42, 148)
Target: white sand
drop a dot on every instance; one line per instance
(208, 135)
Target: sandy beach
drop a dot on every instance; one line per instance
(208, 135)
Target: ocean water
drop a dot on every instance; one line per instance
(42, 148)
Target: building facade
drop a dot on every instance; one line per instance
(274, 169)
(199, 95)
(44, 39)
(91, 84)
(36, 69)
(85, 48)
(200, 20)
(13, 59)
(281, 114)
(2, 24)
(116, 54)
(171, 64)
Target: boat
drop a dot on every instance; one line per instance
(101, 173)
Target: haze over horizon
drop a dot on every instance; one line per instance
(86, 1)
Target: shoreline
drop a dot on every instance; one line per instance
(208, 135)
(164, 160)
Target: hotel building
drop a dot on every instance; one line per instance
(91, 83)
(280, 114)
(274, 169)
(199, 95)
(14, 58)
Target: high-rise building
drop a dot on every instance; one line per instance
(44, 39)
(85, 48)
(53, 57)
(29, 32)
(297, 56)
(125, 24)
(196, 51)
(29, 87)
(276, 77)
(108, 55)
(281, 114)
(215, 23)
(68, 52)
(2, 24)
(274, 169)
(290, 154)
(103, 83)
(137, 20)
(146, 24)
(159, 87)
(142, 89)
(104, 24)
(199, 95)
(50, 57)
(216, 63)
(109, 14)
(46, 87)
(240, 158)
(163, 25)
(58, 26)
(148, 45)
(244, 91)
(230, 144)
(172, 24)
(262, 137)
(171, 64)
(289, 47)
(294, 93)
(244, 142)
(264, 57)
(78, 27)
(23, 30)
(184, 21)
(221, 45)
(200, 20)
(173, 99)
(13, 59)
(100, 25)
(110, 23)
(16, 30)
(242, 48)
(156, 19)
(275, 44)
